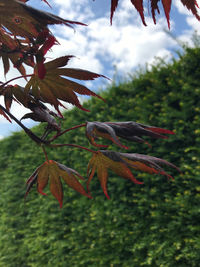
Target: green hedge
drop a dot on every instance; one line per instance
(156, 224)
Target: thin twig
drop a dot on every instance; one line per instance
(19, 77)
(67, 130)
(45, 153)
(73, 145)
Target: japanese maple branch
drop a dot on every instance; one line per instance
(72, 145)
(67, 130)
(26, 130)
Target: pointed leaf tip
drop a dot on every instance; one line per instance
(191, 5)
(160, 130)
(114, 4)
(55, 184)
(138, 4)
(5, 116)
(167, 8)
(70, 177)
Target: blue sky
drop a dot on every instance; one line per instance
(104, 49)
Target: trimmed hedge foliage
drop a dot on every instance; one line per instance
(156, 224)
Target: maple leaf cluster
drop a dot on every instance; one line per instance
(25, 39)
(103, 160)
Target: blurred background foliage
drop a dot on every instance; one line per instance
(155, 224)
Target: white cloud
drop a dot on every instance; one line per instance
(75, 10)
(125, 45)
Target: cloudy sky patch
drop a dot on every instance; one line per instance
(103, 48)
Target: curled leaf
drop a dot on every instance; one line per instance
(131, 131)
(32, 180)
(42, 114)
(104, 130)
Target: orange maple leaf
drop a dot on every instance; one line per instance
(52, 172)
(120, 163)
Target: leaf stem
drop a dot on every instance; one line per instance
(67, 130)
(26, 130)
(73, 145)
(45, 153)
(16, 78)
